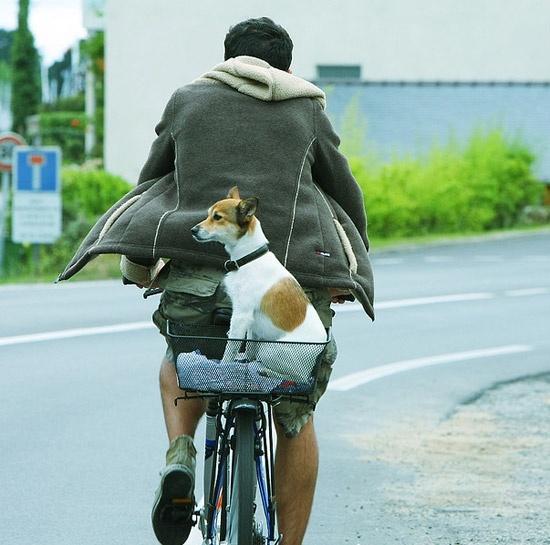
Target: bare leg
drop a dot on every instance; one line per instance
(296, 468)
(183, 418)
(174, 500)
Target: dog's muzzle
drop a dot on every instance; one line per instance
(195, 231)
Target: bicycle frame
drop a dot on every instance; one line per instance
(222, 416)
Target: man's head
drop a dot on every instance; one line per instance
(261, 38)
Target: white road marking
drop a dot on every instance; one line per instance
(77, 332)
(437, 299)
(347, 307)
(416, 301)
(527, 291)
(487, 258)
(348, 382)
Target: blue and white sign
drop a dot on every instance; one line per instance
(36, 194)
(36, 169)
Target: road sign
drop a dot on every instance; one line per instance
(36, 212)
(8, 140)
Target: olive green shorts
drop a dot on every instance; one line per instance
(194, 296)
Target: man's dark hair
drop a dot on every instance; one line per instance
(261, 38)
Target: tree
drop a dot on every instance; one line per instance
(26, 93)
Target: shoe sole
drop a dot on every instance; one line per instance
(173, 509)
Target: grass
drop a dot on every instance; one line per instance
(101, 268)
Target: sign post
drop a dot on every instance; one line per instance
(8, 141)
(36, 211)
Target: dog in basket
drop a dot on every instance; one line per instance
(268, 303)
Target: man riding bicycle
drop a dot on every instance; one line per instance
(248, 122)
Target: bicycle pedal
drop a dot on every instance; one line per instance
(181, 508)
(182, 501)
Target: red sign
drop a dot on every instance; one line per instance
(36, 160)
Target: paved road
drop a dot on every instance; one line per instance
(433, 430)
(434, 442)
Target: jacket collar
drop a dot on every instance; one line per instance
(256, 78)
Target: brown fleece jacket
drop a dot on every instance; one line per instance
(265, 131)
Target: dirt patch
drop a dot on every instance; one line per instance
(484, 471)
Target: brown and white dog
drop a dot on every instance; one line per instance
(268, 303)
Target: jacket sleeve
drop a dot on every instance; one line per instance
(331, 171)
(162, 153)
(142, 272)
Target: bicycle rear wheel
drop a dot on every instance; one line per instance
(243, 482)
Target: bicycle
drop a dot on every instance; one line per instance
(239, 489)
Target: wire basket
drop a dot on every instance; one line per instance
(259, 367)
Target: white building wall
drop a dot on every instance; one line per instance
(155, 46)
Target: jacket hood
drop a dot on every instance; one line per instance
(256, 78)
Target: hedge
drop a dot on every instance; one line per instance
(481, 185)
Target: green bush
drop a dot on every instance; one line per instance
(482, 185)
(86, 195)
(90, 192)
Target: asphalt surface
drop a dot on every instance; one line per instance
(445, 453)
(434, 429)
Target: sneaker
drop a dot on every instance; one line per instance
(172, 515)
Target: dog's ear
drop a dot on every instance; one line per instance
(246, 209)
(234, 193)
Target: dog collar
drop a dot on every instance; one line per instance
(231, 265)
